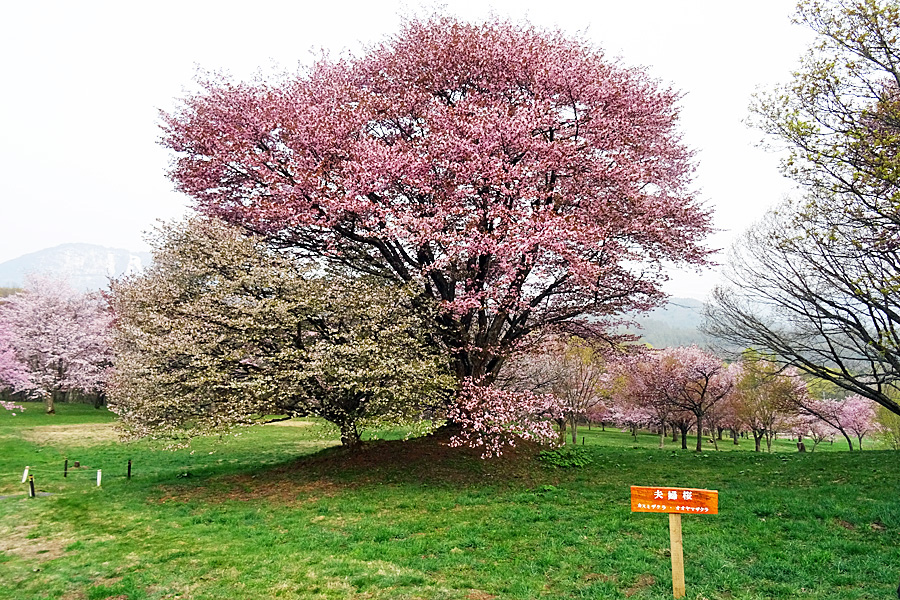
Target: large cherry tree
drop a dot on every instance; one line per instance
(513, 174)
(222, 329)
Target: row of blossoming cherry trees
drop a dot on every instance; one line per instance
(688, 389)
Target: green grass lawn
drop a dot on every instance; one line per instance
(278, 512)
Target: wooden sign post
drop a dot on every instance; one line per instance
(675, 502)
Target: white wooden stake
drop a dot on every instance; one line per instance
(99, 475)
(25, 475)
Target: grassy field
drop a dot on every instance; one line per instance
(278, 512)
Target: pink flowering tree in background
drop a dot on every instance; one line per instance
(721, 418)
(571, 369)
(698, 381)
(830, 412)
(13, 374)
(581, 389)
(602, 412)
(728, 414)
(858, 417)
(681, 422)
(812, 428)
(680, 380)
(514, 175)
(638, 386)
(819, 431)
(630, 416)
(55, 339)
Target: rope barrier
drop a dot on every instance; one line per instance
(54, 473)
(138, 471)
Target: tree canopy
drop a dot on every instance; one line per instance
(513, 175)
(222, 330)
(671, 383)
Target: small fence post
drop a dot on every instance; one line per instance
(99, 476)
(66, 468)
(129, 468)
(25, 475)
(31, 486)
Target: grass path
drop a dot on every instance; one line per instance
(278, 513)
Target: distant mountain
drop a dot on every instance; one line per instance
(85, 266)
(675, 324)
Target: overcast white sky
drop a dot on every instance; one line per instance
(83, 82)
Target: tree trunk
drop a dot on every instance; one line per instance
(674, 434)
(684, 431)
(49, 404)
(662, 438)
(757, 440)
(349, 434)
(574, 424)
(734, 435)
(847, 437)
(699, 433)
(561, 424)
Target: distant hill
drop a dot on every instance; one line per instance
(85, 266)
(675, 324)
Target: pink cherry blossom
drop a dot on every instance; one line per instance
(514, 175)
(853, 416)
(54, 339)
(670, 382)
(493, 418)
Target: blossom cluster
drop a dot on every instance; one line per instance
(493, 418)
(53, 338)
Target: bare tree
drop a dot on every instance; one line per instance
(815, 282)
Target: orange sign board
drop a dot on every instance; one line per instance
(686, 501)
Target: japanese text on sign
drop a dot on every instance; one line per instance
(674, 500)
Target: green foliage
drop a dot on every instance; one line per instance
(888, 428)
(222, 329)
(565, 457)
(270, 514)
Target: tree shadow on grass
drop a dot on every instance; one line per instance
(425, 461)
